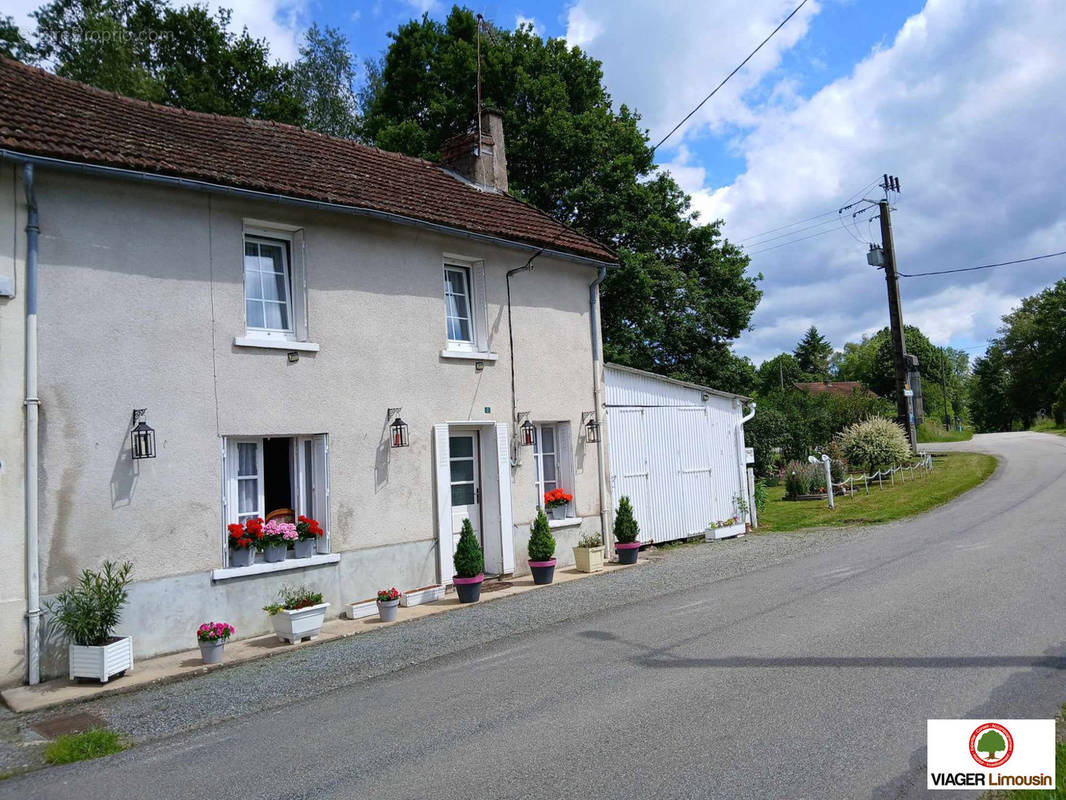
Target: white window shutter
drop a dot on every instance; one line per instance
(228, 500)
(320, 488)
(564, 464)
(444, 503)
(299, 286)
(479, 307)
(503, 462)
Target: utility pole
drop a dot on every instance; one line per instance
(904, 414)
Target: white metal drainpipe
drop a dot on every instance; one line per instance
(597, 374)
(33, 572)
(742, 467)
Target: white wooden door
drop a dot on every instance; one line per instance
(465, 478)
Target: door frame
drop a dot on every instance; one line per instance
(497, 522)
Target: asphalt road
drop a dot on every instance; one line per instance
(811, 677)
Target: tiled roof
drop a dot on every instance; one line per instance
(832, 387)
(45, 115)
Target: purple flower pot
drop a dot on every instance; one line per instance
(627, 552)
(543, 571)
(468, 589)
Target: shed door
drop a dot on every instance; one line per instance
(630, 474)
(695, 472)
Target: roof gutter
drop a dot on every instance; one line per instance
(269, 197)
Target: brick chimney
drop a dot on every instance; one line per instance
(485, 165)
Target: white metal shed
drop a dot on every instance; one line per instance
(676, 450)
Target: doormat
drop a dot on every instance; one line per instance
(72, 723)
(495, 587)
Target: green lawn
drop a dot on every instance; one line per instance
(1047, 425)
(82, 746)
(930, 431)
(952, 475)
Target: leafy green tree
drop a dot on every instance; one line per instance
(767, 430)
(626, 528)
(990, 743)
(541, 541)
(1033, 340)
(778, 374)
(990, 404)
(469, 560)
(324, 81)
(681, 295)
(813, 353)
(12, 43)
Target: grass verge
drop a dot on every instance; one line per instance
(952, 475)
(1048, 426)
(82, 746)
(1059, 792)
(932, 432)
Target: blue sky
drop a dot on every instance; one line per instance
(960, 98)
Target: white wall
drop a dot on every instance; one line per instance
(141, 296)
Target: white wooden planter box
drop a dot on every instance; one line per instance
(101, 662)
(362, 608)
(303, 623)
(427, 594)
(724, 533)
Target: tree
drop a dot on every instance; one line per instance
(324, 78)
(626, 529)
(12, 43)
(990, 404)
(469, 560)
(184, 57)
(681, 294)
(541, 541)
(1033, 341)
(813, 353)
(778, 374)
(990, 743)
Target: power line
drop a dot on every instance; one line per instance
(792, 232)
(983, 266)
(793, 241)
(835, 211)
(730, 75)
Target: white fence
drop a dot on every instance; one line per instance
(920, 468)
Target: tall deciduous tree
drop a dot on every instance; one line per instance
(681, 295)
(324, 80)
(813, 353)
(990, 405)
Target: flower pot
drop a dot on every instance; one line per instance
(387, 609)
(103, 662)
(557, 512)
(468, 589)
(361, 608)
(303, 548)
(241, 557)
(427, 594)
(275, 552)
(301, 624)
(543, 571)
(588, 559)
(627, 552)
(211, 651)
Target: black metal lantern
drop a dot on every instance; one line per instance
(592, 430)
(142, 437)
(529, 434)
(399, 433)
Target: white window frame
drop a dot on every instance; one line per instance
(317, 447)
(538, 459)
(469, 345)
(285, 239)
(564, 476)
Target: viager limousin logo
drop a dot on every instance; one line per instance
(982, 754)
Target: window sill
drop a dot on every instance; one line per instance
(468, 355)
(569, 522)
(275, 344)
(278, 566)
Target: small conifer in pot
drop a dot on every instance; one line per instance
(469, 563)
(542, 550)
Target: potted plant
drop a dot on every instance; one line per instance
(212, 637)
(556, 502)
(388, 602)
(626, 533)
(469, 565)
(87, 613)
(308, 532)
(276, 539)
(297, 614)
(588, 555)
(541, 550)
(244, 541)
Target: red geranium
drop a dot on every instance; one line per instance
(308, 528)
(556, 498)
(244, 536)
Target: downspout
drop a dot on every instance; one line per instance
(33, 574)
(528, 266)
(597, 375)
(741, 466)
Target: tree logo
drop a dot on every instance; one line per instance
(991, 744)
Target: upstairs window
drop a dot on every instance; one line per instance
(458, 307)
(268, 292)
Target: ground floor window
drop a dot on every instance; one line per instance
(277, 477)
(553, 462)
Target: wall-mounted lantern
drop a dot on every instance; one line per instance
(142, 437)
(592, 427)
(529, 434)
(398, 429)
